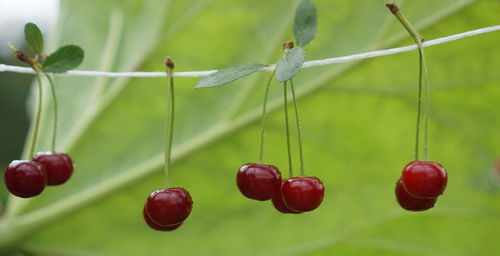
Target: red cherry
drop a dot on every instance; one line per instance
(303, 194)
(258, 181)
(59, 167)
(169, 206)
(25, 178)
(279, 204)
(155, 226)
(411, 203)
(424, 179)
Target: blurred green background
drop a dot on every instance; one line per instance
(358, 125)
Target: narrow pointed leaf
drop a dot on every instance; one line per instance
(65, 58)
(289, 65)
(304, 26)
(34, 37)
(228, 75)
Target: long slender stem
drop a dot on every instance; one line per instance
(287, 128)
(419, 110)
(299, 129)
(38, 114)
(169, 119)
(263, 119)
(56, 114)
(422, 78)
(404, 21)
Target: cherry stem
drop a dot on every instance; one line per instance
(419, 109)
(422, 81)
(38, 113)
(263, 119)
(169, 119)
(287, 127)
(299, 128)
(424, 76)
(56, 114)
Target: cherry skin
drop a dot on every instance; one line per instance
(411, 203)
(258, 181)
(303, 194)
(25, 178)
(424, 179)
(155, 226)
(279, 204)
(169, 206)
(59, 167)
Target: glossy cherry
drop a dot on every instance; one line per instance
(169, 206)
(25, 178)
(303, 194)
(59, 166)
(411, 203)
(279, 204)
(424, 179)
(258, 181)
(155, 226)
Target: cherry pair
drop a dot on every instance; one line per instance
(420, 185)
(28, 178)
(293, 195)
(166, 209)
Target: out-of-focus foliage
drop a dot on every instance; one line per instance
(358, 125)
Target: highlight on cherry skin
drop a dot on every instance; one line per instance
(258, 181)
(170, 206)
(303, 194)
(59, 166)
(279, 204)
(424, 179)
(25, 178)
(411, 203)
(155, 226)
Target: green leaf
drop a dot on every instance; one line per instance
(290, 64)
(65, 58)
(33, 37)
(228, 75)
(358, 128)
(304, 25)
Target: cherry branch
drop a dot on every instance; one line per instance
(307, 64)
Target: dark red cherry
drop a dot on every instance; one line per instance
(59, 167)
(303, 194)
(279, 204)
(258, 181)
(411, 203)
(25, 178)
(169, 206)
(155, 226)
(424, 179)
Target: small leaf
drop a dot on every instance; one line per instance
(289, 65)
(65, 58)
(228, 75)
(33, 36)
(304, 26)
